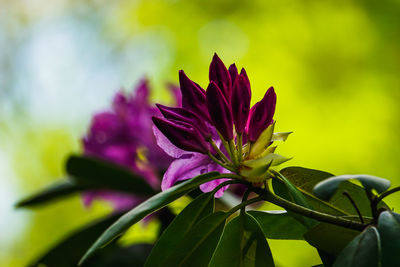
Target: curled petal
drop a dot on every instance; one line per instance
(182, 135)
(193, 96)
(262, 115)
(220, 75)
(241, 97)
(219, 111)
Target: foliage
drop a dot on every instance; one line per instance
(204, 235)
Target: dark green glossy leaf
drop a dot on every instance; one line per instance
(147, 207)
(93, 172)
(288, 191)
(197, 248)
(242, 244)
(53, 192)
(305, 180)
(328, 187)
(326, 258)
(68, 251)
(389, 231)
(199, 208)
(362, 251)
(330, 238)
(279, 225)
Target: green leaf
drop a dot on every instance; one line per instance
(363, 251)
(68, 251)
(327, 188)
(326, 258)
(242, 244)
(197, 248)
(389, 231)
(93, 172)
(199, 208)
(55, 191)
(279, 225)
(330, 238)
(280, 136)
(305, 180)
(147, 207)
(262, 142)
(290, 192)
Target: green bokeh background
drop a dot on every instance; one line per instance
(334, 64)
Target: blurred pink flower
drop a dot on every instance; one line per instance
(123, 135)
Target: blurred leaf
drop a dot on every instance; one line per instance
(305, 180)
(134, 255)
(279, 225)
(389, 231)
(180, 226)
(242, 244)
(93, 172)
(330, 238)
(328, 187)
(68, 251)
(147, 207)
(55, 191)
(198, 246)
(363, 251)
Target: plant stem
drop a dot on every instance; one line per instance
(222, 155)
(218, 187)
(354, 205)
(373, 203)
(225, 143)
(244, 198)
(232, 147)
(213, 158)
(244, 204)
(389, 192)
(239, 147)
(323, 217)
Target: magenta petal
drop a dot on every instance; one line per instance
(220, 111)
(241, 96)
(210, 186)
(193, 96)
(182, 135)
(220, 75)
(262, 114)
(189, 166)
(182, 114)
(166, 145)
(233, 72)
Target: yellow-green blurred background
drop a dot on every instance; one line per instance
(334, 64)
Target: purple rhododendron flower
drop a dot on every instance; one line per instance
(123, 135)
(216, 130)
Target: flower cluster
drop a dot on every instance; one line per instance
(124, 136)
(216, 130)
